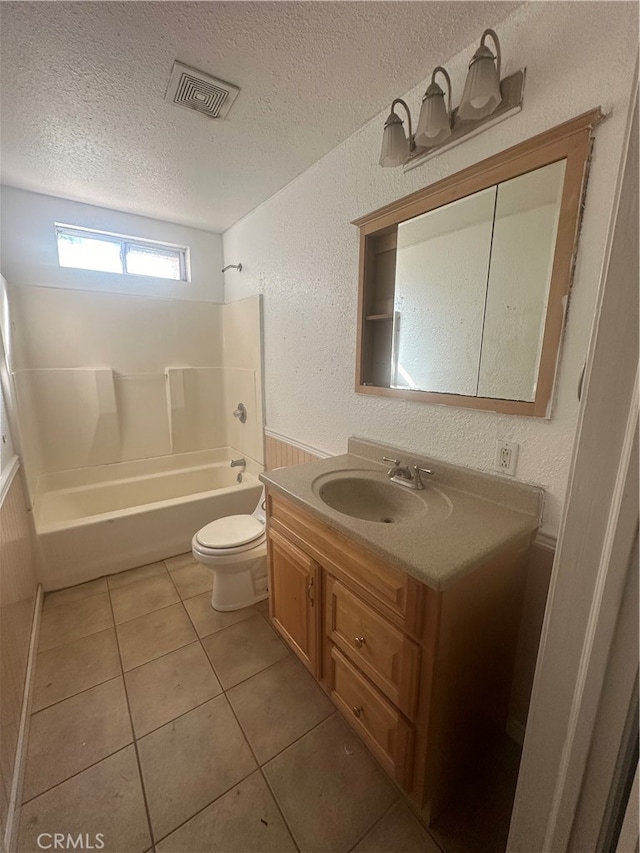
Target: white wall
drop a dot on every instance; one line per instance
(300, 251)
(30, 255)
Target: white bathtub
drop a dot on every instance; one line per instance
(96, 521)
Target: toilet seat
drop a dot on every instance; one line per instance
(230, 535)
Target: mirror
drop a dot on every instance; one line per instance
(463, 285)
(485, 260)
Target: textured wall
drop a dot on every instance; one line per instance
(300, 251)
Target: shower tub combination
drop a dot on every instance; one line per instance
(96, 521)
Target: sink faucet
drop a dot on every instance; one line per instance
(405, 476)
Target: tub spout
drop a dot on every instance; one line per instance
(236, 462)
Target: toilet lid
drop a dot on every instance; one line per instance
(231, 531)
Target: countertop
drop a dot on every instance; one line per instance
(487, 513)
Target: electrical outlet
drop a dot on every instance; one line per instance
(506, 457)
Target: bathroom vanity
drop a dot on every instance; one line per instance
(409, 622)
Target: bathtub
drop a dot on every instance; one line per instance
(96, 521)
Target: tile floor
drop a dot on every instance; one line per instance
(160, 724)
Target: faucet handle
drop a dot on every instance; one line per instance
(417, 470)
(387, 459)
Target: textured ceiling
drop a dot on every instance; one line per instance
(83, 114)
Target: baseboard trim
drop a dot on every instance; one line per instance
(13, 814)
(546, 541)
(6, 478)
(306, 448)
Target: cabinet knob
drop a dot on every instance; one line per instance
(359, 641)
(356, 711)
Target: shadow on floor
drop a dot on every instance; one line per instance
(478, 815)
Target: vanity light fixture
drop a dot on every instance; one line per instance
(481, 94)
(486, 101)
(434, 123)
(396, 148)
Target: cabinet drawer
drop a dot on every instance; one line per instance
(379, 724)
(388, 657)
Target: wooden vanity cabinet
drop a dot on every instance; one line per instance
(417, 673)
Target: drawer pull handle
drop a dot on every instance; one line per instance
(310, 591)
(359, 641)
(356, 711)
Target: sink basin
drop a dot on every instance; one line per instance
(368, 495)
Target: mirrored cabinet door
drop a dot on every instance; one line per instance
(522, 251)
(442, 266)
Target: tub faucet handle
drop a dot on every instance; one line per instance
(240, 413)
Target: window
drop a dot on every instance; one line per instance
(85, 249)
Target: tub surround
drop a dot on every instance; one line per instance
(135, 377)
(489, 513)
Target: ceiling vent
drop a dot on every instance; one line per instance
(194, 90)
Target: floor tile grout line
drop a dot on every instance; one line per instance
(164, 654)
(178, 716)
(259, 767)
(78, 773)
(77, 640)
(215, 800)
(299, 738)
(77, 693)
(268, 666)
(375, 823)
(133, 734)
(54, 606)
(153, 610)
(82, 636)
(173, 583)
(134, 569)
(279, 807)
(224, 693)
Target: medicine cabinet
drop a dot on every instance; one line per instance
(463, 285)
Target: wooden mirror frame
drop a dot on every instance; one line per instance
(571, 141)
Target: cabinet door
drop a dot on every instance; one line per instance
(293, 594)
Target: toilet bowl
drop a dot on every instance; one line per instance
(235, 549)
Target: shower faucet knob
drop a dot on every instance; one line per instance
(241, 413)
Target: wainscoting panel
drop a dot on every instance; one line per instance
(282, 454)
(18, 587)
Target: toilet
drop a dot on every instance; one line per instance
(235, 549)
